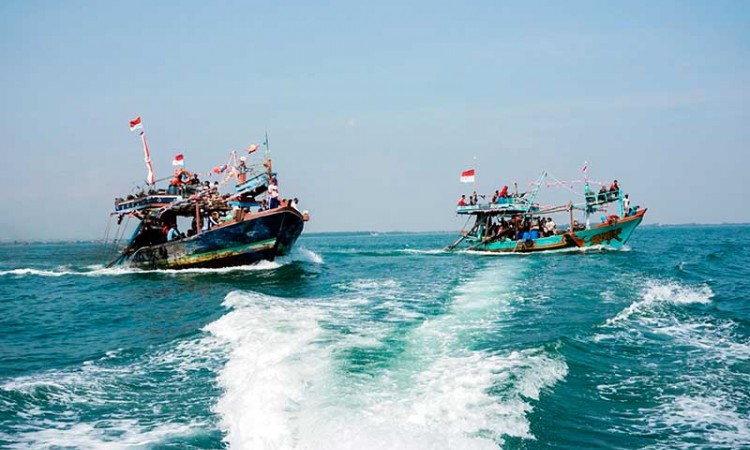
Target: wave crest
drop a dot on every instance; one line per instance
(659, 293)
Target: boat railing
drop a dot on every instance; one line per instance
(602, 198)
(600, 201)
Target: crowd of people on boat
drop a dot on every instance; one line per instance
(604, 195)
(186, 183)
(527, 226)
(498, 197)
(520, 228)
(610, 195)
(165, 227)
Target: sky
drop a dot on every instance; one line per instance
(374, 108)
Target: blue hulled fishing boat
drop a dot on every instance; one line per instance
(516, 223)
(257, 236)
(249, 225)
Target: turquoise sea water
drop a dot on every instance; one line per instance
(383, 342)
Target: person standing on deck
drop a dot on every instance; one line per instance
(273, 194)
(614, 190)
(602, 194)
(242, 170)
(180, 178)
(549, 227)
(626, 205)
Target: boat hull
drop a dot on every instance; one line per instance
(262, 236)
(613, 234)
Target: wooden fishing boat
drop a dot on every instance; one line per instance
(247, 226)
(245, 240)
(516, 223)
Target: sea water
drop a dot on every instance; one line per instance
(382, 342)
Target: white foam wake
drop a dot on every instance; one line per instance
(272, 366)
(434, 251)
(289, 384)
(98, 271)
(305, 255)
(298, 254)
(453, 394)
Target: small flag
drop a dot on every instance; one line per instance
(178, 160)
(585, 167)
(220, 169)
(136, 124)
(253, 148)
(467, 176)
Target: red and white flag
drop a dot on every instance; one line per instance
(253, 148)
(136, 124)
(467, 176)
(178, 160)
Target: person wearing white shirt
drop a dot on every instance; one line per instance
(273, 195)
(549, 227)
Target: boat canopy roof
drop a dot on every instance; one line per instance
(182, 197)
(143, 202)
(156, 204)
(506, 206)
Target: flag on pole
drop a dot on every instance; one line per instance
(585, 170)
(178, 160)
(253, 148)
(467, 176)
(136, 124)
(147, 155)
(220, 169)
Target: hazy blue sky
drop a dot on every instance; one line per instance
(374, 108)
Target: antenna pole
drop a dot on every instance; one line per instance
(475, 175)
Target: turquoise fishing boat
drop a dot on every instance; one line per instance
(517, 223)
